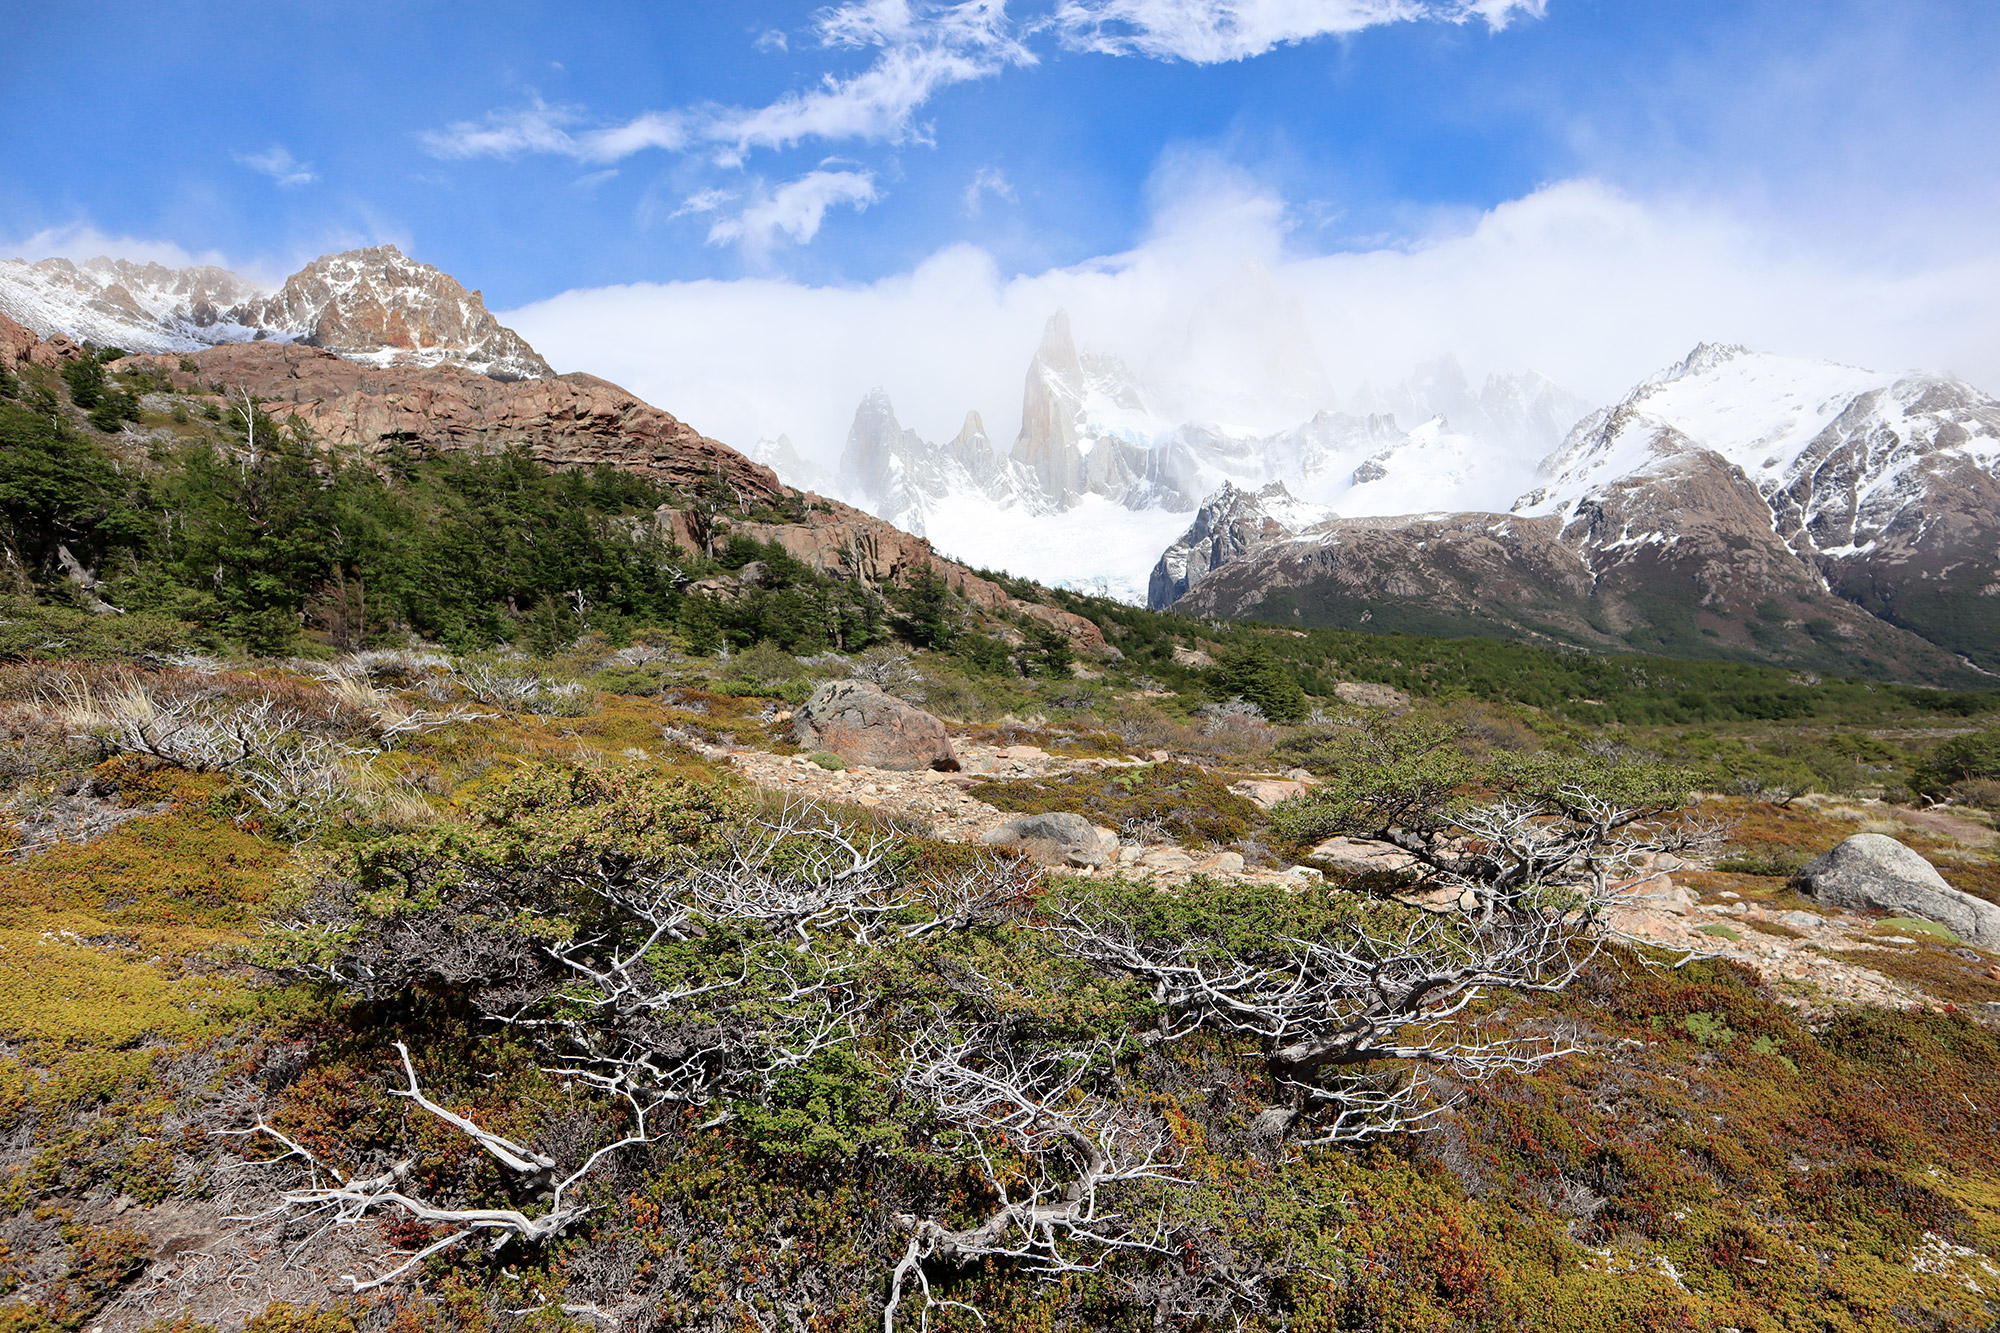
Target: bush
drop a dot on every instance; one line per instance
(829, 761)
(1960, 759)
(1254, 673)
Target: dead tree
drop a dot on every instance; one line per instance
(347, 1201)
(1064, 1187)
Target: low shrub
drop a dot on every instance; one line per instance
(1188, 802)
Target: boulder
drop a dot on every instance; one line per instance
(1267, 792)
(861, 724)
(1874, 871)
(1058, 838)
(1358, 856)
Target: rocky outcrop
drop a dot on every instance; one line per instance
(570, 421)
(381, 306)
(1872, 870)
(1058, 838)
(20, 347)
(857, 721)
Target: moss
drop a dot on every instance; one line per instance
(1910, 925)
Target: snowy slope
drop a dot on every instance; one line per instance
(374, 306)
(115, 303)
(1840, 453)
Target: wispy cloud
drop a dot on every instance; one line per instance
(1207, 32)
(921, 49)
(278, 163)
(921, 53)
(985, 181)
(795, 209)
(561, 130)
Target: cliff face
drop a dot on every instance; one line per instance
(568, 421)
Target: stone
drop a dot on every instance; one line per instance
(1800, 920)
(1170, 859)
(1656, 893)
(1024, 753)
(1267, 792)
(857, 721)
(1222, 863)
(1875, 871)
(1057, 838)
(1357, 856)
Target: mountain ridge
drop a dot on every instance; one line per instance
(374, 304)
(1734, 504)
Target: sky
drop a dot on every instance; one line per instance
(752, 212)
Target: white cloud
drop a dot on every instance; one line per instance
(542, 128)
(1592, 287)
(985, 181)
(1211, 31)
(923, 49)
(79, 241)
(278, 163)
(795, 208)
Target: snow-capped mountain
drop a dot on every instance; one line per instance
(1099, 450)
(1843, 456)
(374, 305)
(380, 306)
(782, 457)
(1737, 503)
(116, 303)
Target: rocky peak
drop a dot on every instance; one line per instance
(1230, 524)
(374, 305)
(381, 306)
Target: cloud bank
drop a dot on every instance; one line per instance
(1587, 285)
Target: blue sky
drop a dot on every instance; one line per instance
(735, 156)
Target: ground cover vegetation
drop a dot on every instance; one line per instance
(463, 964)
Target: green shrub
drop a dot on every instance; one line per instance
(1254, 673)
(829, 761)
(1960, 759)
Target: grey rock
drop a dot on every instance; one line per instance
(1057, 838)
(1800, 920)
(1873, 871)
(862, 725)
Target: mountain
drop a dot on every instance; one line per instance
(782, 457)
(375, 305)
(1104, 458)
(1737, 504)
(116, 303)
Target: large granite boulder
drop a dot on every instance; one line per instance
(1058, 838)
(861, 724)
(1873, 871)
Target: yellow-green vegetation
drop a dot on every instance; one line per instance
(178, 958)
